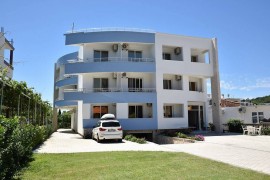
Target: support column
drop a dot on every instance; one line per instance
(215, 89)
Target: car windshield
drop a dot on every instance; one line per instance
(110, 124)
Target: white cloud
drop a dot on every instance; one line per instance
(248, 85)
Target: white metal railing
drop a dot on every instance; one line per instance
(111, 29)
(64, 77)
(111, 59)
(93, 90)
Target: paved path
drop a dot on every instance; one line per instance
(65, 141)
(251, 152)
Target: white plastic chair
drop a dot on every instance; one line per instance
(258, 130)
(251, 130)
(244, 130)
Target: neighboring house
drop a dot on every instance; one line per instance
(151, 81)
(240, 109)
(6, 54)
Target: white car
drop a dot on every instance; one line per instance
(107, 129)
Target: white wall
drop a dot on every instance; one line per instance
(122, 110)
(187, 69)
(233, 113)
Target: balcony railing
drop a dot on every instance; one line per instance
(111, 59)
(111, 29)
(96, 90)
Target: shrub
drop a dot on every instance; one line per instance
(135, 139)
(235, 125)
(266, 131)
(17, 141)
(181, 135)
(199, 138)
(212, 127)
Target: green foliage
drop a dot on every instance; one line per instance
(17, 141)
(266, 131)
(132, 138)
(181, 135)
(235, 125)
(24, 102)
(260, 100)
(64, 119)
(212, 127)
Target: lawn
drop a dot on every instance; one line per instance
(132, 165)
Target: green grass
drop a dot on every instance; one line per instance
(132, 165)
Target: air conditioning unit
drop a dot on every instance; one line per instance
(177, 77)
(114, 75)
(124, 75)
(149, 104)
(242, 109)
(125, 46)
(177, 51)
(115, 47)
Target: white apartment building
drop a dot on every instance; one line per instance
(6, 54)
(151, 81)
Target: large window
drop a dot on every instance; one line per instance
(100, 56)
(101, 84)
(99, 111)
(134, 84)
(135, 112)
(192, 86)
(167, 84)
(261, 116)
(257, 117)
(167, 111)
(134, 55)
(166, 56)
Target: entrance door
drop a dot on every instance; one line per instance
(195, 117)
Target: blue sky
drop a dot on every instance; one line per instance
(242, 28)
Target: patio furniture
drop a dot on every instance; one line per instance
(244, 130)
(251, 130)
(258, 130)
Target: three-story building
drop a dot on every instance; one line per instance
(151, 81)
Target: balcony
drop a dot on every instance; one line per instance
(111, 95)
(110, 64)
(96, 90)
(111, 59)
(70, 80)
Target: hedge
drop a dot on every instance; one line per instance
(17, 140)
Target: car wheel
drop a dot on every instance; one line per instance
(98, 140)
(93, 136)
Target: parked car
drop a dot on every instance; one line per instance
(107, 128)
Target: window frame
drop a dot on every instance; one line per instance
(136, 112)
(170, 114)
(100, 111)
(167, 84)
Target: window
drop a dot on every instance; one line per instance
(134, 84)
(135, 112)
(99, 111)
(194, 58)
(192, 86)
(167, 111)
(166, 56)
(134, 55)
(101, 84)
(254, 117)
(261, 116)
(100, 56)
(167, 84)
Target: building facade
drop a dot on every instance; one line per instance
(6, 54)
(151, 81)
